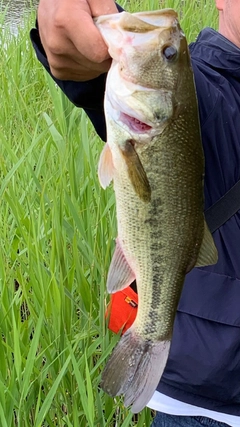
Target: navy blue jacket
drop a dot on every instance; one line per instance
(204, 362)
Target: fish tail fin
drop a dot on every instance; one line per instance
(134, 369)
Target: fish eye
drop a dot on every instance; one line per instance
(170, 52)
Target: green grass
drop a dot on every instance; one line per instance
(57, 231)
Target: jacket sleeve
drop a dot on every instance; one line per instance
(88, 95)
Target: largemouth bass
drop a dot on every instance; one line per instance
(154, 157)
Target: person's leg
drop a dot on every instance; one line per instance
(165, 420)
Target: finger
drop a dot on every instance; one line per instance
(67, 69)
(87, 39)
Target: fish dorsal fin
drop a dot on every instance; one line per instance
(120, 274)
(208, 252)
(105, 167)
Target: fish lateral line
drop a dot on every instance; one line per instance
(157, 170)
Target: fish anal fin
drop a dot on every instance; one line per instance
(105, 167)
(120, 274)
(208, 253)
(136, 171)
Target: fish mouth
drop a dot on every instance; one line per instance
(134, 124)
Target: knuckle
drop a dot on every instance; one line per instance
(57, 36)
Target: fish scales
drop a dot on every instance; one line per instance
(154, 157)
(156, 223)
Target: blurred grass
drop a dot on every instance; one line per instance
(57, 230)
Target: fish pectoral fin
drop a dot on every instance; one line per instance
(120, 274)
(134, 369)
(136, 171)
(208, 253)
(105, 167)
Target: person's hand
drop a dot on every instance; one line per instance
(74, 47)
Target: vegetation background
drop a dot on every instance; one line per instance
(57, 230)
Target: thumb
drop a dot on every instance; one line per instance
(99, 7)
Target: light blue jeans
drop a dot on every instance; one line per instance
(165, 420)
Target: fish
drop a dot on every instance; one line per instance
(154, 157)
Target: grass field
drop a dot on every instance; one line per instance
(57, 230)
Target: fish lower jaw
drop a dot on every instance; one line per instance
(134, 124)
